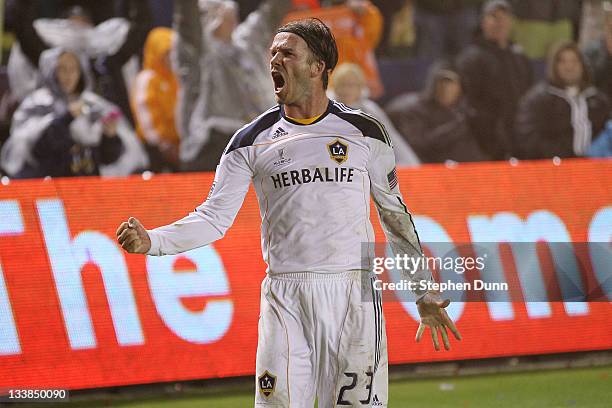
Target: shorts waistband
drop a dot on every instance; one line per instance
(318, 276)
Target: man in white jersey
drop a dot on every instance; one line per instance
(314, 164)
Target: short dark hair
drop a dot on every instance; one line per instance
(319, 39)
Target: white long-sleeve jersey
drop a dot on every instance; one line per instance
(313, 184)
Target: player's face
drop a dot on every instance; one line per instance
(569, 68)
(290, 66)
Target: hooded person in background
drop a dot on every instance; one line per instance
(223, 72)
(63, 129)
(348, 85)
(154, 102)
(561, 116)
(435, 122)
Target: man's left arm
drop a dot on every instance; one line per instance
(398, 225)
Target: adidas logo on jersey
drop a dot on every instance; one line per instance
(376, 402)
(280, 132)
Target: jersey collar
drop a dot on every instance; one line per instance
(320, 118)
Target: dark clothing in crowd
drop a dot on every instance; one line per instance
(59, 155)
(600, 63)
(20, 15)
(444, 27)
(387, 8)
(552, 122)
(494, 80)
(108, 70)
(436, 133)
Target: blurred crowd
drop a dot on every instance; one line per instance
(100, 88)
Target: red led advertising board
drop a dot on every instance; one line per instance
(78, 312)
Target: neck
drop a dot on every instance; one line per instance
(310, 107)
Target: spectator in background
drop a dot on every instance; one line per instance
(110, 45)
(154, 102)
(599, 55)
(348, 86)
(495, 75)
(357, 26)
(444, 27)
(64, 129)
(223, 72)
(541, 24)
(561, 116)
(591, 21)
(435, 123)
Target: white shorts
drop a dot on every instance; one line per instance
(319, 337)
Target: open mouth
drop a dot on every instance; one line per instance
(279, 81)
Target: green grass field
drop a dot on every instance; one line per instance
(575, 388)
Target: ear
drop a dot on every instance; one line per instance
(317, 68)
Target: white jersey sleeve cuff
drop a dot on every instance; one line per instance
(155, 244)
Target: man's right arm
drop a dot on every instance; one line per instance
(208, 222)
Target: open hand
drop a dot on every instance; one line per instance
(433, 315)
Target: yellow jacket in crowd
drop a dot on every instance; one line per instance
(155, 92)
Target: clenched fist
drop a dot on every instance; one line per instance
(133, 237)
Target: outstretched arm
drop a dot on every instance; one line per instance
(206, 224)
(396, 221)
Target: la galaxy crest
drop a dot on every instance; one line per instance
(338, 151)
(267, 384)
